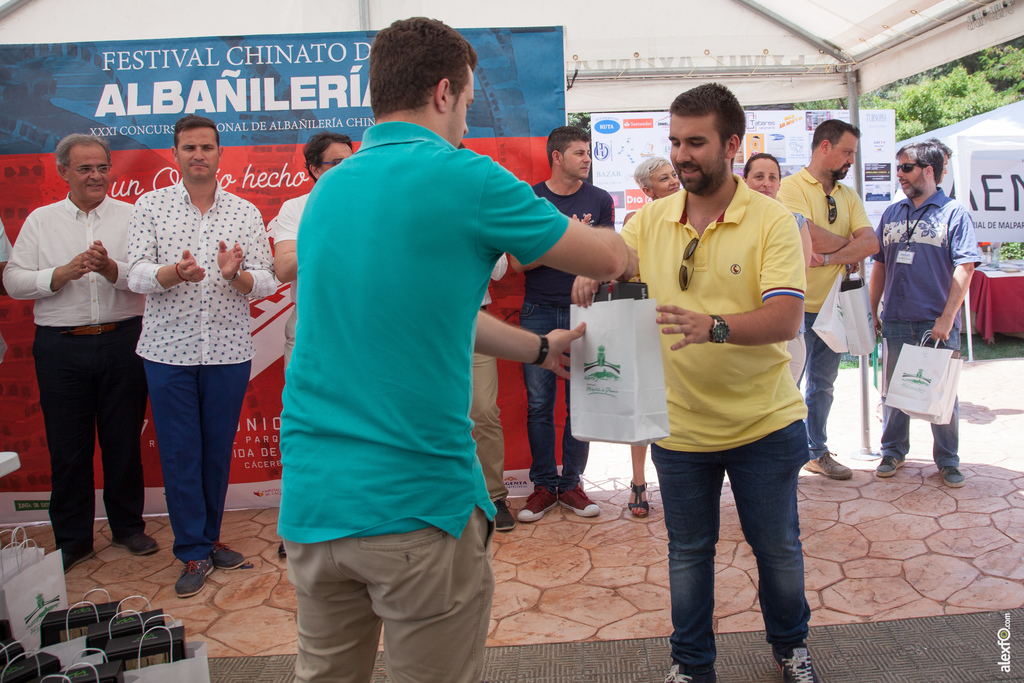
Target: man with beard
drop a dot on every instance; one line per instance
(924, 269)
(841, 236)
(725, 265)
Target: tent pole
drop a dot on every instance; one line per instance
(865, 452)
(364, 15)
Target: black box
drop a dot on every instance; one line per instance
(155, 648)
(9, 649)
(612, 291)
(5, 630)
(32, 667)
(53, 630)
(110, 672)
(129, 624)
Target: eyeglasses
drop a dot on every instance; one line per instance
(907, 168)
(684, 274)
(102, 169)
(833, 211)
(332, 162)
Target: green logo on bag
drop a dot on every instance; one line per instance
(916, 379)
(599, 372)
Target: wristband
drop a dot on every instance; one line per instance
(235, 277)
(543, 353)
(176, 272)
(826, 260)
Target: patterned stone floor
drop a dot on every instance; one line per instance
(874, 549)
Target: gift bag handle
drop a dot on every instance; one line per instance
(110, 624)
(149, 607)
(67, 618)
(93, 590)
(84, 650)
(170, 644)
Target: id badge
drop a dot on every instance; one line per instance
(905, 256)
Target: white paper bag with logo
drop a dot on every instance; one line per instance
(918, 382)
(16, 557)
(829, 323)
(855, 308)
(618, 383)
(31, 595)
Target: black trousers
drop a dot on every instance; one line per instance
(92, 386)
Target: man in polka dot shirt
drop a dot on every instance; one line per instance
(199, 254)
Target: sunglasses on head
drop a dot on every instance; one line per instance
(907, 168)
(833, 211)
(684, 274)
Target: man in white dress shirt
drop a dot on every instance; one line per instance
(196, 344)
(70, 258)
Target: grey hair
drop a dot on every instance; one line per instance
(63, 152)
(642, 174)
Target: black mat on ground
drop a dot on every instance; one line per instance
(961, 648)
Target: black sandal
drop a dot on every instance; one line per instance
(641, 508)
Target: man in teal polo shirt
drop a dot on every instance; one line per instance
(384, 511)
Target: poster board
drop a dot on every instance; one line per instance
(621, 141)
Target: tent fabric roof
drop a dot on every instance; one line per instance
(618, 57)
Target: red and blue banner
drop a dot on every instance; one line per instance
(267, 95)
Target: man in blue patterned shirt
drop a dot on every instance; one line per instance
(195, 336)
(924, 268)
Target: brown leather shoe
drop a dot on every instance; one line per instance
(139, 544)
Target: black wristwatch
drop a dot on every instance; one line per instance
(719, 330)
(543, 353)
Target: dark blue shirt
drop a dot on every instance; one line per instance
(551, 287)
(940, 233)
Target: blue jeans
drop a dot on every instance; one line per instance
(820, 374)
(763, 476)
(195, 414)
(896, 423)
(541, 391)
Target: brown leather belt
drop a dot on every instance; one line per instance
(90, 330)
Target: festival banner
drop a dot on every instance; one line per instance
(267, 94)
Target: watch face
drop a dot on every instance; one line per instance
(720, 331)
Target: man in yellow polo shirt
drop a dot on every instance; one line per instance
(726, 267)
(841, 236)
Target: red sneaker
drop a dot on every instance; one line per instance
(539, 502)
(578, 502)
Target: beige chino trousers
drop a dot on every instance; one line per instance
(430, 591)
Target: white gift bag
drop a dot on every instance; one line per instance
(829, 322)
(618, 381)
(924, 382)
(31, 595)
(855, 309)
(195, 668)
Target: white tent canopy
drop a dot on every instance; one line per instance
(618, 57)
(1001, 129)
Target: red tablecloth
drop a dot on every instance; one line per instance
(998, 302)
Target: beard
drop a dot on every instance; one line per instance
(840, 173)
(912, 191)
(709, 180)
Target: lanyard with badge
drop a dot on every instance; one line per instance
(906, 256)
